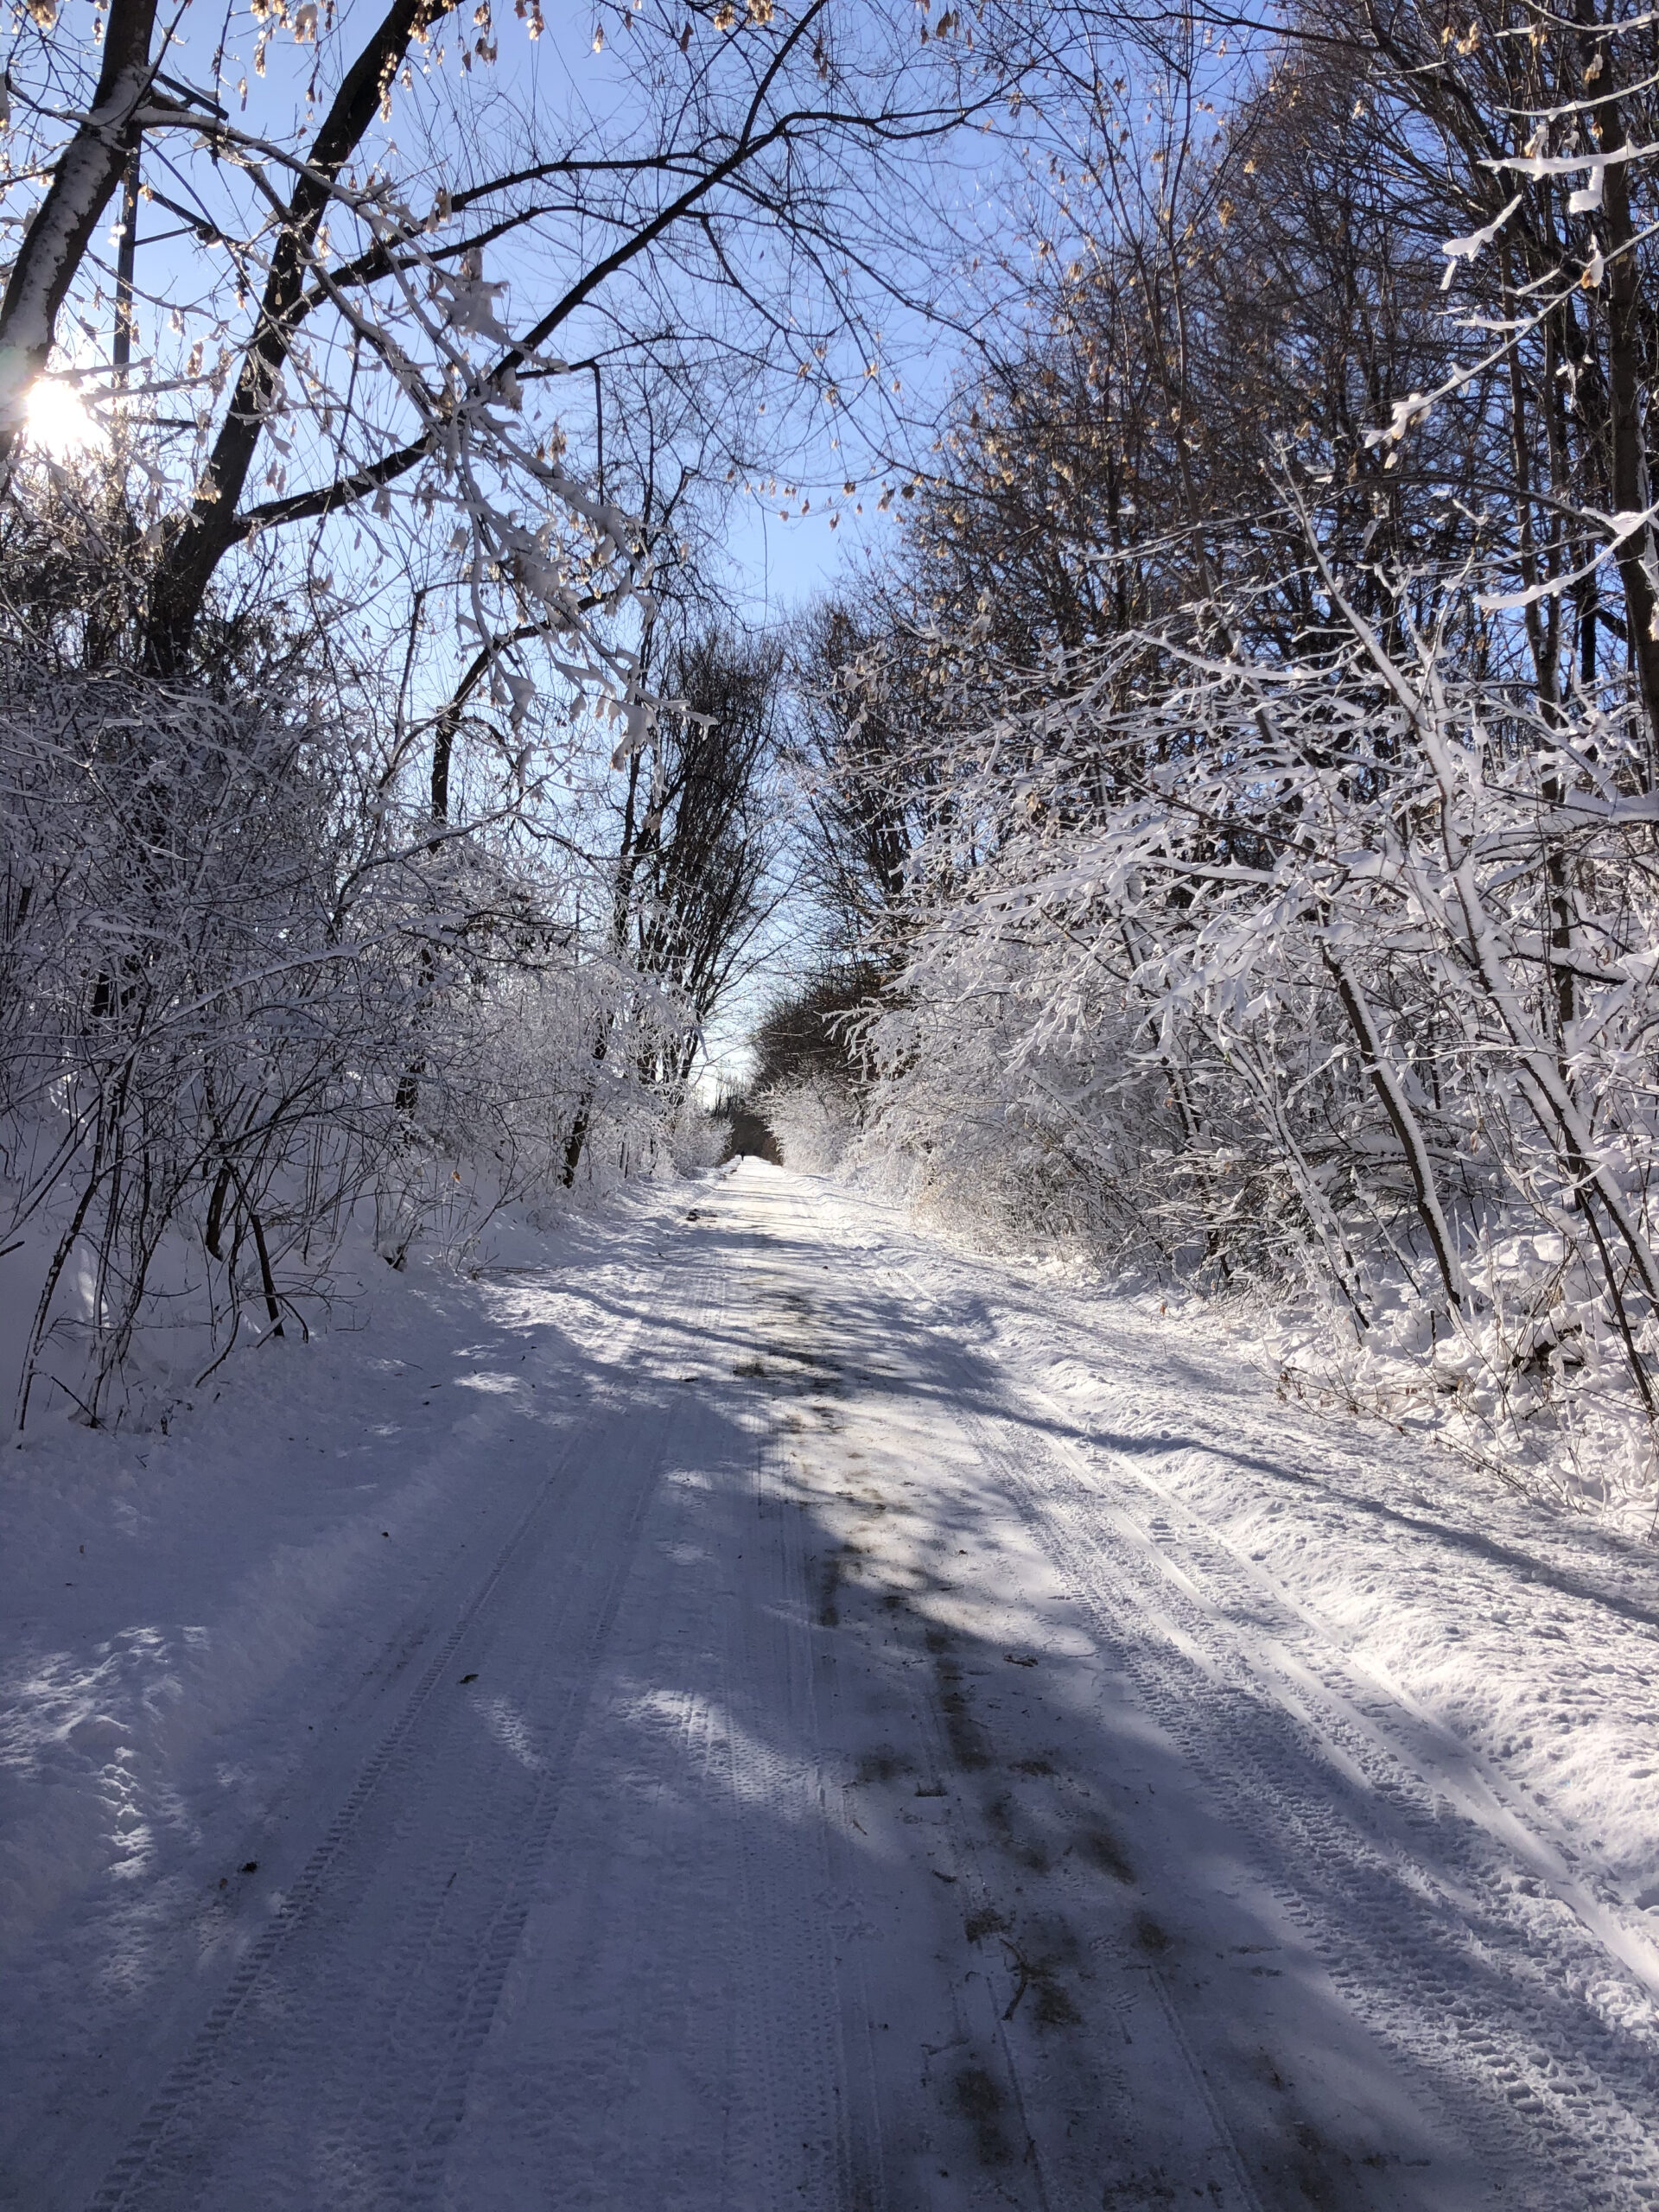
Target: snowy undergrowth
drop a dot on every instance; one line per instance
(261, 1030)
(1533, 1390)
(190, 1317)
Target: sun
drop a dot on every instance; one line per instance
(58, 422)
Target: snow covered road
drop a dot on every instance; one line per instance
(784, 1755)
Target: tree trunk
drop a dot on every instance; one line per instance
(1625, 379)
(61, 227)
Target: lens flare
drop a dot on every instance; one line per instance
(58, 423)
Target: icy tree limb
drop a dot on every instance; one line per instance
(1386, 1082)
(210, 528)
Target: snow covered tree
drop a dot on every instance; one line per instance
(393, 381)
(1276, 616)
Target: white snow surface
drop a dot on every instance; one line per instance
(739, 1705)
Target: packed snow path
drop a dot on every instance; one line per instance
(815, 1773)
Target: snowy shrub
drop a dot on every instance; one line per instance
(245, 997)
(815, 1117)
(204, 1002)
(1006, 1161)
(1326, 980)
(811, 1070)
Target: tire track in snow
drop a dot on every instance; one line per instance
(1361, 1708)
(670, 2031)
(1005, 2091)
(1405, 1900)
(791, 2028)
(1424, 1917)
(975, 2040)
(442, 1790)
